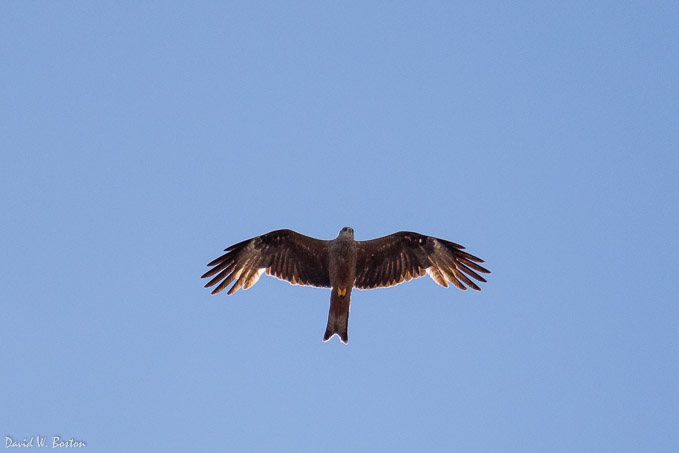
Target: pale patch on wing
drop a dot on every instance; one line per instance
(435, 275)
(253, 279)
(445, 268)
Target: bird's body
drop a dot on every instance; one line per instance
(343, 264)
(342, 253)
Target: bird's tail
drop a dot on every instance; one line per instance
(338, 318)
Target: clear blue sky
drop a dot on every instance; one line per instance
(141, 138)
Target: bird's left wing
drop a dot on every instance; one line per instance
(399, 257)
(284, 254)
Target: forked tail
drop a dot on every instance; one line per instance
(338, 317)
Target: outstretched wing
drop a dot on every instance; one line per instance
(284, 254)
(402, 256)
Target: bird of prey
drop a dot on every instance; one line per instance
(342, 264)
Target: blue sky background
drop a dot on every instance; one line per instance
(139, 139)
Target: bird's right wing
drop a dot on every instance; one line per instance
(399, 257)
(284, 254)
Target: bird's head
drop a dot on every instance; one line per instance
(346, 231)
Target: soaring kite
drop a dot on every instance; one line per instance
(343, 264)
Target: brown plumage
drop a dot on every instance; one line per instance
(343, 264)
